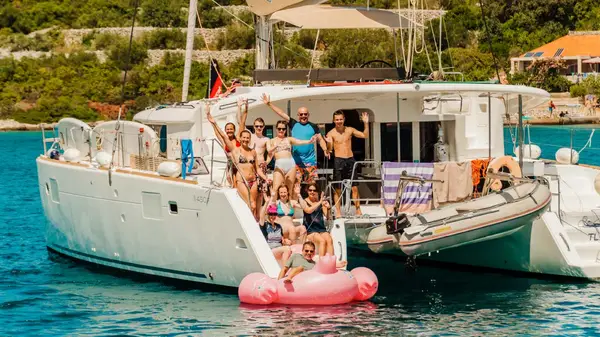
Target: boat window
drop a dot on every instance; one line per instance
(151, 206)
(54, 193)
(172, 207)
(389, 137)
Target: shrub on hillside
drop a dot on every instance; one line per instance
(40, 42)
(236, 36)
(164, 39)
(119, 56)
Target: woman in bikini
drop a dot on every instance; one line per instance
(258, 142)
(316, 211)
(273, 232)
(285, 166)
(247, 163)
(285, 215)
(230, 134)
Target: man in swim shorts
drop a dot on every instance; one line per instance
(298, 263)
(305, 156)
(341, 139)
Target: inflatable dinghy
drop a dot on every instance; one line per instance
(485, 218)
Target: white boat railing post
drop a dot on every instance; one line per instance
(43, 138)
(212, 155)
(571, 147)
(520, 132)
(489, 126)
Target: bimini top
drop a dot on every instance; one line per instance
(181, 113)
(335, 17)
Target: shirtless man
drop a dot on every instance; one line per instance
(341, 139)
(258, 141)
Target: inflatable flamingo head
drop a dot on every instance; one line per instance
(258, 288)
(367, 283)
(326, 265)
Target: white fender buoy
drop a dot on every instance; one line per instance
(103, 158)
(169, 169)
(530, 151)
(563, 156)
(72, 154)
(597, 183)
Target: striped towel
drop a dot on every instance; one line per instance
(416, 198)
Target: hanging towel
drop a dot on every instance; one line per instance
(457, 182)
(415, 198)
(187, 157)
(479, 169)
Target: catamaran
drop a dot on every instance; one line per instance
(115, 195)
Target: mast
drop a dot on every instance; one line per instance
(189, 49)
(263, 39)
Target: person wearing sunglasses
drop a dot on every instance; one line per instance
(247, 163)
(305, 156)
(273, 232)
(340, 138)
(280, 147)
(258, 142)
(316, 210)
(298, 263)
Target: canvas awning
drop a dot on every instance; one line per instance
(333, 17)
(266, 7)
(595, 60)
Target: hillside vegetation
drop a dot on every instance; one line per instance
(46, 89)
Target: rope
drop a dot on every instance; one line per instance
(230, 13)
(212, 62)
(489, 39)
(589, 141)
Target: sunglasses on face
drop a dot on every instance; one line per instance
(303, 115)
(259, 126)
(312, 190)
(281, 129)
(309, 251)
(272, 214)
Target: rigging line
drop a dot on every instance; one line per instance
(210, 56)
(127, 64)
(488, 33)
(231, 13)
(447, 40)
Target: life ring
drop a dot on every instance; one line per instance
(501, 164)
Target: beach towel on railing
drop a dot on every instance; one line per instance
(415, 198)
(187, 157)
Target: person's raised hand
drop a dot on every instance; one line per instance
(297, 189)
(208, 114)
(266, 99)
(365, 117)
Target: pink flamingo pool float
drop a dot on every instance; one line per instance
(322, 285)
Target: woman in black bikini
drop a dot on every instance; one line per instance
(316, 211)
(247, 164)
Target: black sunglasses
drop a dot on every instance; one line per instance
(281, 129)
(259, 126)
(312, 190)
(309, 251)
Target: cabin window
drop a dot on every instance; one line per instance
(151, 206)
(54, 193)
(173, 207)
(389, 141)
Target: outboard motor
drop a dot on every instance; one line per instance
(396, 224)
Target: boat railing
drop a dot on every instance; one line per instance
(225, 172)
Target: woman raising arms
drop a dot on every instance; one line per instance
(247, 163)
(285, 166)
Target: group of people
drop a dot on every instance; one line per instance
(273, 201)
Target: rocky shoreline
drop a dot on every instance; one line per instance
(13, 125)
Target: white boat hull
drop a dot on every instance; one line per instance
(128, 225)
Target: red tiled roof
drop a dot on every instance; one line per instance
(573, 45)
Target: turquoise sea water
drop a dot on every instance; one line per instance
(54, 297)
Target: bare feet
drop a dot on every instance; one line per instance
(358, 211)
(287, 280)
(341, 264)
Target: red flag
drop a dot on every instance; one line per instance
(214, 80)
